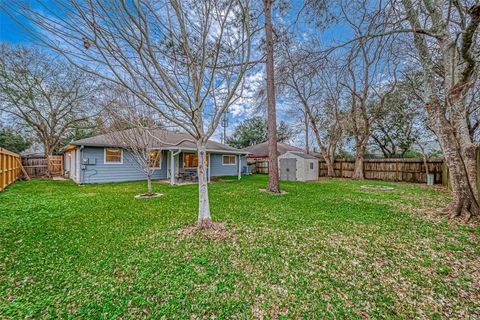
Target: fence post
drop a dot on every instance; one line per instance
(2, 168)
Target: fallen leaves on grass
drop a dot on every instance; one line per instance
(217, 231)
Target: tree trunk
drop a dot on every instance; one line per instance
(330, 169)
(307, 147)
(204, 218)
(463, 181)
(273, 175)
(48, 150)
(425, 160)
(358, 171)
(149, 184)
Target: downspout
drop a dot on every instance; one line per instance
(81, 176)
(239, 166)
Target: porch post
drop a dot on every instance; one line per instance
(209, 174)
(172, 168)
(239, 167)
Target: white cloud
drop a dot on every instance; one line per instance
(246, 105)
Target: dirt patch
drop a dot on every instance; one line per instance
(381, 188)
(148, 196)
(217, 230)
(282, 192)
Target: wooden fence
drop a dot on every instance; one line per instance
(259, 165)
(10, 168)
(40, 166)
(401, 170)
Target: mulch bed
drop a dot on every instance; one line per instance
(282, 192)
(148, 196)
(382, 188)
(217, 230)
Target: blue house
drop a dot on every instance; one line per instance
(99, 159)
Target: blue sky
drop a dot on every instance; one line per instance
(11, 32)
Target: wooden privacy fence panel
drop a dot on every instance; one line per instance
(39, 166)
(10, 168)
(55, 165)
(259, 165)
(402, 170)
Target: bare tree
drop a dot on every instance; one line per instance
(317, 88)
(473, 109)
(444, 37)
(47, 95)
(138, 142)
(300, 116)
(370, 79)
(273, 174)
(186, 60)
(135, 130)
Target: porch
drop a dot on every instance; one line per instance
(183, 164)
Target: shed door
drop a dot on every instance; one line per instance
(288, 169)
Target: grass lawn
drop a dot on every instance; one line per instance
(325, 250)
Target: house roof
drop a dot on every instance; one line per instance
(261, 150)
(161, 139)
(303, 155)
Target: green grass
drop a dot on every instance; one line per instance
(325, 250)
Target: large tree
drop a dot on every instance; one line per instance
(273, 174)
(185, 60)
(399, 125)
(316, 88)
(371, 73)
(444, 36)
(45, 94)
(254, 131)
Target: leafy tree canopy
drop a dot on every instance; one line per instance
(254, 131)
(13, 141)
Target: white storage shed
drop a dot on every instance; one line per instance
(298, 166)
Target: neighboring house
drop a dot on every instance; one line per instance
(96, 159)
(35, 150)
(260, 151)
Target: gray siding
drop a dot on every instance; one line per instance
(219, 169)
(129, 170)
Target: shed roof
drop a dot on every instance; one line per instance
(261, 150)
(162, 139)
(303, 155)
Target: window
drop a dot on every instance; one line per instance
(113, 155)
(311, 165)
(190, 160)
(229, 160)
(154, 159)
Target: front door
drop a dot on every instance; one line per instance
(288, 169)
